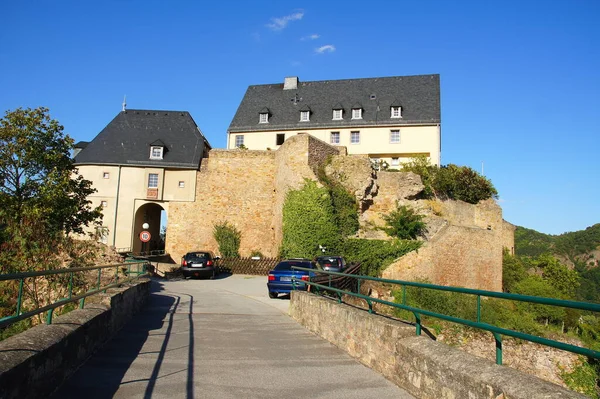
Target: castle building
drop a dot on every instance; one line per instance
(390, 119)
(141, 162)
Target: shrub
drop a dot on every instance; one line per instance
(375, 255)
(451, 181)
(404, 223)
(228, 238)
(308, 221)
(256, 253)
(537, 286)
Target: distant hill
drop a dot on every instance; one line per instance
(578, 248)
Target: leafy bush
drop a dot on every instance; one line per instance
(584, 378)
(228, 238)
(256, 253)
(308, 221)
(375, 255)
(451, 181)
(404, 223)
(345, 209)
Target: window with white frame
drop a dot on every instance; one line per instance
(304, 116)
(337, 114)
(264, 118)
(239, 140)
(181, 184)
(334, 138)
(395, 162)
(355, 137)
(153, 180)
(105, 175)
(394, 136)
(156, 152)
(356, 113)
(396, 112)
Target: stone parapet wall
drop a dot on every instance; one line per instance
(35, 362)
(425, 368)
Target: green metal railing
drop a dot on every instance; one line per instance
(498, 332)
(135, 269)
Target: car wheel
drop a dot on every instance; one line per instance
(273, 295)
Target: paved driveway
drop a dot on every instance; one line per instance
(221, 338)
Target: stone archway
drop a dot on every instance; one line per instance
(148, 213)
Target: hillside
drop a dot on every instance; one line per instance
(580, 249)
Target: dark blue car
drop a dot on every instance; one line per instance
(280, 278)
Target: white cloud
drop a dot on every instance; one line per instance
(281, 22)
(328, 48)
(314, 36)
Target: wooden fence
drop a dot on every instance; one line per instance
(259, 267)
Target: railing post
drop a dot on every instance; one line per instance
(81, 303)
(370, 305)
(478, 308)
(418, 322)
(70, 285)
(49, 316)
(358, 287)
(330, 281)
(498, 339)
(99, 277)
(404, 294)
(339, 297)
(20, 297)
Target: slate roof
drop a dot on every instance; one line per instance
(419, 97)
(126, 140)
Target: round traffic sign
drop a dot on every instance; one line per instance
(145, 236)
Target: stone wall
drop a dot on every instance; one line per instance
(35, 362)
(247, 189)
(464, 248)
(296, 160)
(425, 368)
(235, 186)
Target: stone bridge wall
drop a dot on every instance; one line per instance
(425, 368)
(35, 362)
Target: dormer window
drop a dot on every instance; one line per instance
(337, 114)
(263, 115)
(156, 152)
(396, 112)
(304, 116)
(356, 113)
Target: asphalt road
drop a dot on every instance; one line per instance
(222, 338)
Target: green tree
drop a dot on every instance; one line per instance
(38, 180)
(559, 276)
(228, 237)
(513, 271)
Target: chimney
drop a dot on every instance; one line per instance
(290, 83)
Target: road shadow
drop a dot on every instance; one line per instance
(102, 375)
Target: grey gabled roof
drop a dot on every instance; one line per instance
(418, 95)
(127, 138)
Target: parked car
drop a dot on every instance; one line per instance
(331, 263)
(199, 264)
(280, 278)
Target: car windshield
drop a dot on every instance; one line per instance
(328, 261)
(287, 265)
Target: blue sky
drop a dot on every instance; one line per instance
(520, 80)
